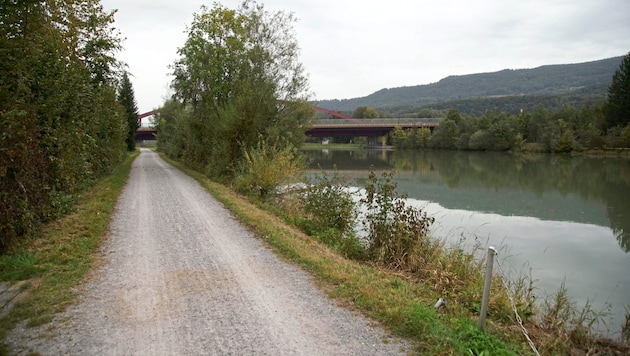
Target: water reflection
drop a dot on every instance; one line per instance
(565, 217)
(593, 190)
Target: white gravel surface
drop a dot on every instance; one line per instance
(183, 277)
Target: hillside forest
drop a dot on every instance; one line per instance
(602, 124)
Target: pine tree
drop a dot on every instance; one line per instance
(127, 99)
(617, 109)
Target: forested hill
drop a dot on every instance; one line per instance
(590, 77)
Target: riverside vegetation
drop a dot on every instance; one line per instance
(395, 241)
(597, 125)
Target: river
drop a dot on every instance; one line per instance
(556, 218)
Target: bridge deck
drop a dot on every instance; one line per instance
(341, 127)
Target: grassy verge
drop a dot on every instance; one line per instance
(403, 306)
(61, 254)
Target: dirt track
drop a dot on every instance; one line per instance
(182, 277)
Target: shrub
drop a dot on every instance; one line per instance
(393, 228)
(330, 204)
(331, 215)
(266, 167)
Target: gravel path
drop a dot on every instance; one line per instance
(182, 277)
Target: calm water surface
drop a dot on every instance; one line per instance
(562, 218)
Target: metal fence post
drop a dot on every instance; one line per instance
(486, 287)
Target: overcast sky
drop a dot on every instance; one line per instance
(353, 48)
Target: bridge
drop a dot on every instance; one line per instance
(342, 126)
(366, 127)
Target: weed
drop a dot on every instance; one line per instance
(569, 325)
(394, 229)
(625, 328)
(17, 266)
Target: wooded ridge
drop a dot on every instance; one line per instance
(584, 79)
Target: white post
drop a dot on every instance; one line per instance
(486, 287)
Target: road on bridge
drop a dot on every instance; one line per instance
(182, 277)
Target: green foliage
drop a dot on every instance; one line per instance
(560, 131)
(326, 210)
(363, 112)
(329, 203)
(266, 167)
(400, 137)
(173, 129)
(423, 137)
(127, 100)
(563, 130)
(394, 229)
(617, 108)
(17, 266)
(411, 138)
(60, 125)
(237, 83)
(478, 343)
(445, 135)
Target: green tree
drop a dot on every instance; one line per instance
(617, 108)
(239, 78)
(453, 114)
(60, 125)
(363, 112)
(127, 99)
(423, 137)
(445, 135)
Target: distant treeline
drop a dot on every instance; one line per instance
(564, 130)
(508, 104)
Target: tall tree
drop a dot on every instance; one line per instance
(60, 126)
(617, 108)
(239, 75)
(127, 99)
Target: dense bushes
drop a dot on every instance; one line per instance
(327, 211)
(60, 124)
(391, 232)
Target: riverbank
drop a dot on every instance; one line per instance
(531, 149)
